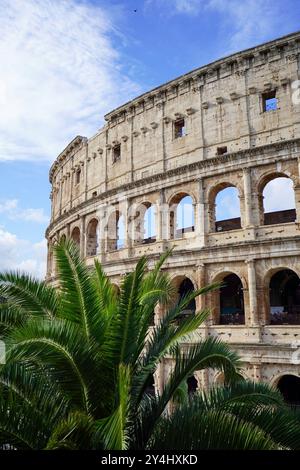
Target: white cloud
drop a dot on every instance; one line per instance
(279, 195)
(249, 21)
(60, 72)
(189, 7)
(11, 208)
(21, 255)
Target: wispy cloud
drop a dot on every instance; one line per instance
(243, 23)
(279, 195)
(21, 255)
(173, 7)
(11, 208)
(60, 72)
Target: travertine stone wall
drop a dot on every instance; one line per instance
(222, 105)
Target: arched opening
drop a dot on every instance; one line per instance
(145, 224)
(182, 217)
(115, 231)
(92, 238)
(63, 238)
(116, 290)
(231, 300)
(227, 209)
(278, 201)
(289, 387)
(186, 287)
(149, 235)
(150, 387)
(285, 298)
(75, 235)
(192, 385)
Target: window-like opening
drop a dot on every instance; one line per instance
(94, 194)
(150, 386)
(92, 238)
(181, 216)
(116, 153)
(289, 387)
(232, 301)
(278, 202)
(285, 298)
(78, 172)
(185, 288)
(227, 210)
(179, 128)
(221, 150)
(149, 225)
(121, 233)
(270, 102)
(192, 385)
(75, 235)
(115, 231)
(145, 224)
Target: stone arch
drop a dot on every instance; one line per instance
(266, 202)
(183, 285)
(228, 303)
(219, 379)
(92, 237)
(192, 385)
(282, 299)
(116, 289)
(217, 222)
(145, 223)
(115, 231)
(75, 235)
(181, 214)
(289, 386)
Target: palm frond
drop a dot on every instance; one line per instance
(113, 431)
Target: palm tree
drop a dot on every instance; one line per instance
(80, 359)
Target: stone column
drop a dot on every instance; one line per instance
(202, 377)
(247, 219)
(200, 225)
(257, 372)
(72, 171)
(201, 300)
(60, 191)
(82, 237)
(162, 217)
(252, 314)
(297, 195)
(128, 225)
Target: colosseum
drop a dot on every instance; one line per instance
(152, 178)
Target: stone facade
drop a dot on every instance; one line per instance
(197, 135)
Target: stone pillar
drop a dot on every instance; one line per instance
(82, 237)
(297, 195)
(252, 317)
(72, 181)
(60, 191)
(201, 300)
(162, 217)
(256, 372)
(247, 219)
(128, 225)
(202, 377)
(200, 225)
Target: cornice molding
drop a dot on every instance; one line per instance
(70, 148)
(293, 144)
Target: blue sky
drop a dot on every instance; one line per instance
(64, 64)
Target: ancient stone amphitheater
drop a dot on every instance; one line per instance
(152, 178)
